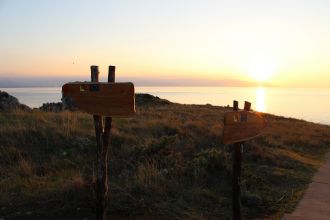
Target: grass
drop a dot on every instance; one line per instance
(167, 162)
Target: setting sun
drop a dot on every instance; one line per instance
(261, 69)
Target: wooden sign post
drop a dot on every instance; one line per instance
(240, 126)
(102, 134)
(237, 167)
(101, 99)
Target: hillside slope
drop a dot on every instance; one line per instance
(165, 162)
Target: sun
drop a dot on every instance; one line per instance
(261, 69)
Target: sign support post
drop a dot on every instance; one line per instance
(237, 167)
(102, 133)
(240, 126)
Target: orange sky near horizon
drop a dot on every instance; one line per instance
(284, 43)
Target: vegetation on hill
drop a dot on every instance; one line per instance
(8, 102)
(166, 162)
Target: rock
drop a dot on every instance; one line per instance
(143, 99)
(8, 102)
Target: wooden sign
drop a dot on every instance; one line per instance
(108, 99)
(241, 126)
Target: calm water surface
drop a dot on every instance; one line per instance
(308, 104)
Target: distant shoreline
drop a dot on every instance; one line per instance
(272, 100)
(22, 87)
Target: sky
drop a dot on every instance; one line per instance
(283, 42)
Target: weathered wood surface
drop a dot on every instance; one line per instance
(108, 99)
(241, 126)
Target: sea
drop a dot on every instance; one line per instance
(310, 104)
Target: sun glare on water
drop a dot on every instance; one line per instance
(260, 100)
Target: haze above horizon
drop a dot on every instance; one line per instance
(283, 43)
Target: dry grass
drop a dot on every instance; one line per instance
(166, 162)
(26, 167)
